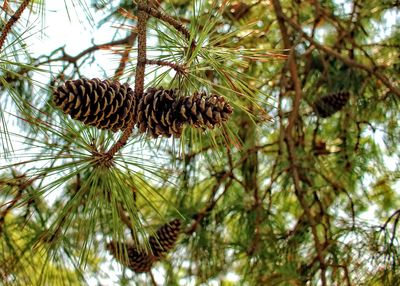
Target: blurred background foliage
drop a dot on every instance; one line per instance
(277, 196)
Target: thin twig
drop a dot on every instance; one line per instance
(125, 55)
(166, 18)
(178, 68)
(22, 183)
(212, 202)
(350, 62)
(73, 59)
(153, 281)
(14, 18)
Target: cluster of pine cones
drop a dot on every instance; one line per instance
(110, 105)
(140, 261)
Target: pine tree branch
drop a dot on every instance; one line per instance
(290, 142)
(139, 78)
(21, 183)
(178, 68)
(73, 59)
(14, 18)
(166, 18)
(10, 206)
(125, 55)
(212, 201)
(350, 62)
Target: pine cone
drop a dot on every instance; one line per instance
(101, 103)
(329, 104)
(165, 238)
(156, 115)
(201, 110)
(161, 113)
(136, 260)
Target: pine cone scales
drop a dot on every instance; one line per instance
(136, 260)
(103, 104)
(201, 110)
(329, 104)
(156, 115)
(165, 238)
(139, 261)
(161, 114)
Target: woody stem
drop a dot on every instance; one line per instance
(139, 77)
(166, 18)
(14, 18)
(178, 68)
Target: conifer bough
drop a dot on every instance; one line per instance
(329, 104)
(110, 105)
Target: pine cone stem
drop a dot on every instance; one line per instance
(139, 77)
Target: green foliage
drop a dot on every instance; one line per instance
(276, 196)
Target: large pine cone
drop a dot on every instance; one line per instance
(161, 113)
(101, 103)
(165, 238)
(156, 115)
(136, 260)
(329, 104)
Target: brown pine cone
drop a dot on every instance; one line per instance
(327, 105)
(162, 113)
(101, 103)
(156, 115)
(136, 260)
(165, 238)
(201, 110)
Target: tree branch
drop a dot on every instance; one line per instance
(372, 70)
(166, 18)
(178, 68)
(139, 78)
(73, 59)
(125, 55)
(14, 18)
(289, 139)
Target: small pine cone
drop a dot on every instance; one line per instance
(165, 238)
(201, 110)
(329, 104)
(101, 103)
(156, 115)
(136, 260)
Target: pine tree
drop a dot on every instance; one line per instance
(231, 142)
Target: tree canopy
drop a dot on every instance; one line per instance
(201, 143)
